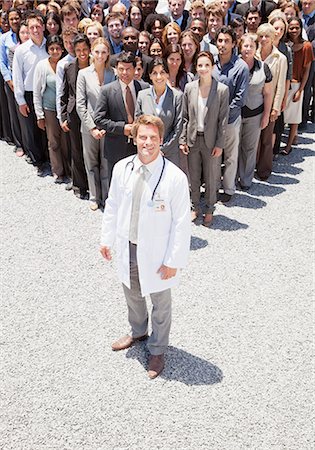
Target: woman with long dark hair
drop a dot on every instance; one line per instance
(302, 60)
(45, 109)
(165, 102)
(178, 77)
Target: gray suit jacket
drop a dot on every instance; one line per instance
(88, 91)
(171, 115)
(111, 115)
(216, 118)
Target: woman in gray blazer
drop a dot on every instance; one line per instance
(89, 83)
(165, 102)
(205, 111)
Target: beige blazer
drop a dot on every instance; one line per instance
(278, 66)
(216, 117)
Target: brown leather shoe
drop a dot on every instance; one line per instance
(126, 342)
(156, 365)
(207, 220)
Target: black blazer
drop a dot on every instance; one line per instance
(111, 115)
(265, 9)
(68, 96)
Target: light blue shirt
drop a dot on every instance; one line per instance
(7, 41)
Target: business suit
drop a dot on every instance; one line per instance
(185, 22)
(266, 7)
(111, 116)
(69, 113)
(146, 60)
(88, 90)
(201, 145)
(171, 115)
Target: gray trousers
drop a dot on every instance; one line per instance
(232, 139)
(96, 168)
(249, 138)
(201, 162)
(138, 312)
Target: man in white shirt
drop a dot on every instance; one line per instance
(147, 216)
(25, 59)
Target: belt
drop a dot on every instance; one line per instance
(200, 133)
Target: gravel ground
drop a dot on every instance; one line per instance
(239, 370)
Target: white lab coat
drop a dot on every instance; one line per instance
(163, 236)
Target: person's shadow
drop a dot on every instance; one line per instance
(180, 366)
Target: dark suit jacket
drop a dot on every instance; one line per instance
(68, 97)
(265, 9)
(145, 60)
(232, 16)
(111, 115)
(85, 10)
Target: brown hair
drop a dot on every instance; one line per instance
(114, 16)
(215, 9)
(175, 27)
(69, 8)
(208, 55)
(148, 119)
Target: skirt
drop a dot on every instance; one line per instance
(293, 112)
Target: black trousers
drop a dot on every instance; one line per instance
(5, 126)
(78, 171)
(35, 139)
(15, 117)
(309, 94)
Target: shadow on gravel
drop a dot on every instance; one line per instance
(276, 179)
(223, 223)
(286, 168)
(196, 243)
(265, 190)
(246, 201)
(180, 366)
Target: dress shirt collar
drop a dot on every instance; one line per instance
(151, 166)
(179, 21)
(307, 17)
(43, 43)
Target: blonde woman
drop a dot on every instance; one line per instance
(89, 84)
(94, 31)
(277, 63)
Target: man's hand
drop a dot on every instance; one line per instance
(64, 126)
(216, 152)
(127, 129)
(106, 253)
(166, 272)
(41, 124)
(24, 110)
(184, 148)
(97, 134)
(10, 84)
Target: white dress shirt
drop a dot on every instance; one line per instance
(158, 105)
(25, 59)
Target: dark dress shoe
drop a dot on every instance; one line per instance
(126, 342)
(225, 198)
(156, 365)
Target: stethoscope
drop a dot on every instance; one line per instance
(132, 165)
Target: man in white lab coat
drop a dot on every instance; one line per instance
(147, 216)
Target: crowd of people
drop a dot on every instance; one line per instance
(225, 77)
